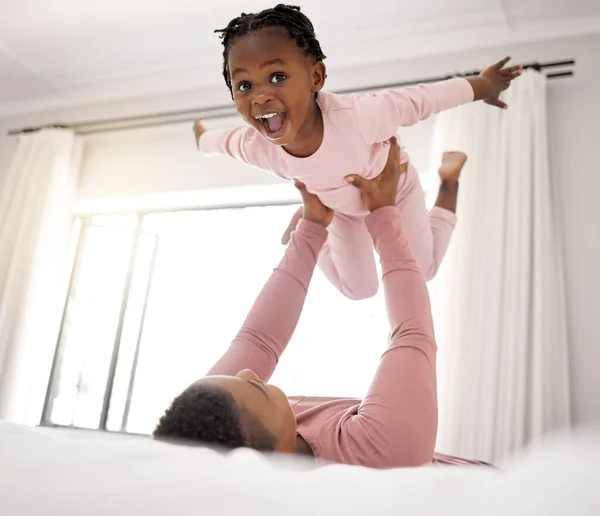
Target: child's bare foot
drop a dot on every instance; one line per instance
(452, 164)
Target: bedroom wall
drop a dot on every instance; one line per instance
(7, 149)
(155, 161)
(574, 135)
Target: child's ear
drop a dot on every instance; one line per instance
(319, 75)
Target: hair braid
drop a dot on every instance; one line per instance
(299, 28)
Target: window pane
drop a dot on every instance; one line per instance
(134, 313)
(89, 327)
(196, 275)
(209, 269)
(337, 344)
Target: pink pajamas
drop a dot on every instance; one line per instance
(356, 130)
(347, 259)
(396, 422)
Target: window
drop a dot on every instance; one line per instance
(156, 298)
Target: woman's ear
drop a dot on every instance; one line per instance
(319, 74)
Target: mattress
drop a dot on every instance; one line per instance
(75, 473)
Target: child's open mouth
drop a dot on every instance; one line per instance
(273, 123)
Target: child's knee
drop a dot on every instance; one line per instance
(358, 293)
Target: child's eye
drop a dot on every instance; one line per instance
(278, 77)
(244, 86)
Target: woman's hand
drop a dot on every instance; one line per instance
(313, 209)
(382, 190)
(376, 193)
(294, 221)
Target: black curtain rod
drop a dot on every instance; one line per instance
(227, 110)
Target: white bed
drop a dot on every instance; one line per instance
(79, 473)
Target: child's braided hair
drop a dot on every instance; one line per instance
(298, 26)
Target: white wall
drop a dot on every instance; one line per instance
(159, 160)
(7, 150)
(574, 136)
(152, 161)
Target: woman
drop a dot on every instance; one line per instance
(394, 425)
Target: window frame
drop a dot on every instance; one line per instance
(84, 222)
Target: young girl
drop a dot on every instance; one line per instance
(273, 67)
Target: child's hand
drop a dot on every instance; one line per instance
(493, 81)
(199, 130)
(313, 209)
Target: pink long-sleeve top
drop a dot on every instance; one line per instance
(355, 140)
(396, 422)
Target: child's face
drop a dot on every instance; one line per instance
(274, 84)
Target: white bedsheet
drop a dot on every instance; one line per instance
(67, 473)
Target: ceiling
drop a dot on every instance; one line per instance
(52, 51)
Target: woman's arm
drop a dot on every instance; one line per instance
(272, 320)
(396, 423)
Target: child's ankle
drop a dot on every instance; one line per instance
(449, 185)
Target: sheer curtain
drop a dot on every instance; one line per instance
(499, 298)
(35, 225)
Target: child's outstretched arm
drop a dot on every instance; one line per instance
(224, 142)
(493, 81)
(241, 143)
(381, 113)
(199, 130)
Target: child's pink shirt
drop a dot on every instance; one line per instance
(355, 141)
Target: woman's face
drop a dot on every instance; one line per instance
(265, 402)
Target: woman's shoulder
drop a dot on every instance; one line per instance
(310, 408)
(319, 420)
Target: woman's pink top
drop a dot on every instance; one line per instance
(396, 423)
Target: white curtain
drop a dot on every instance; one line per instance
(35, 224)
(499, 298)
